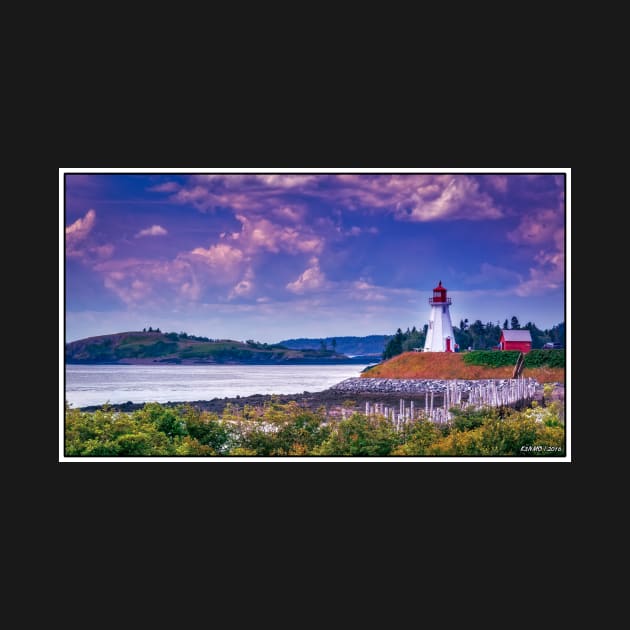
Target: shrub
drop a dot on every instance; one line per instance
(491, 358)
(545, 358)
(288, 430)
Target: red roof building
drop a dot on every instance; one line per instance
(516, 340)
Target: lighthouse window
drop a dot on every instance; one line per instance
(444, 309)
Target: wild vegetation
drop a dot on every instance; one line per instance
(546, 366)
(290, 430)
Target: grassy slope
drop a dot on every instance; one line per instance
(451, 365)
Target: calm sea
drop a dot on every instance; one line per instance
(98, 384)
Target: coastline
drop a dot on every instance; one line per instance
(328, 398)
(309, 400)
(358, 360)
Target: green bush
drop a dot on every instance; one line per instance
(498, 358)
(467, 419)
(145, 350)
(279, 429)
(491, 358)
(546, 358)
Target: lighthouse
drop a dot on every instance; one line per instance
(440, 336)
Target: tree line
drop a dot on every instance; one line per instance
(476, 336)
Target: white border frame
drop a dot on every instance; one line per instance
(391, 459)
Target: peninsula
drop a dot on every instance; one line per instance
(156, 347)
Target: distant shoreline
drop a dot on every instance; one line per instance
(171, 362)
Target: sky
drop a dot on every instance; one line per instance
(276, 256)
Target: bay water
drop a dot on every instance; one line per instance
(98, 384)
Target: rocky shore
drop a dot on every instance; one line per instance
(328, 399)
(357, 390)
(411, 385)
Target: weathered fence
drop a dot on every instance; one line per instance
(507, 392)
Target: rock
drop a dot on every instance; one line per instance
(409, 386)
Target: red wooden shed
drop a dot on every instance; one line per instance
(516, 340)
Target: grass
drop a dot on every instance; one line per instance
(450, 365)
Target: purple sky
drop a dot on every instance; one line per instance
(269, 257)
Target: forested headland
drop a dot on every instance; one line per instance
(154, 346)
(475, 335)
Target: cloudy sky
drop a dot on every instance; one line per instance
(273, 256)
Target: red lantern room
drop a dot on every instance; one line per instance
(439, 295)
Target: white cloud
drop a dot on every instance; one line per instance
(82, 226)
(79, 243)
(290, 213)
(131, 292)
(456, 198)
(408, 197)
(548, 275)
(103, 251)
(186, 278)
(165, 187)
(498, 182)
(191, 288)
(261, 234)
(539, 227)
(355, 230)
(222, 255)
(154, 230)
(545, 229)
(366, 291)
(311, 279)
(287, 181)
(77, 232)
(244, 287)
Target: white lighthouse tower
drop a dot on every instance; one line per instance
(440, 336)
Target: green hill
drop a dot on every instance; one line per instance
(158, 347)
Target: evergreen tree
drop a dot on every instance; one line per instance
(394, 345)
(478, 336)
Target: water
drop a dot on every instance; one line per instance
(98, 384)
